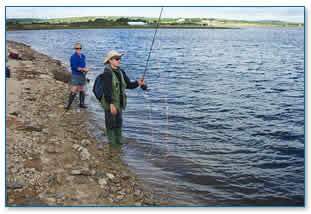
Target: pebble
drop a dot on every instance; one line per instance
(120, 197)
(110, 176)
(137, 193)
(51, 200)
(103, 194)
(14, 186)
(93, 172)
(51, 148)
(75, 172)
(68, 166)
(102, 181)
(85, 155)
(85, 142)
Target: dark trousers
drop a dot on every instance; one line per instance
(113, 125)
(7, 72)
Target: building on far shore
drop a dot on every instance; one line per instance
(136, 23)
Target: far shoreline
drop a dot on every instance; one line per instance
(28, 28)
(114, 27)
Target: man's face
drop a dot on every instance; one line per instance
(115, 61)
(78, 50)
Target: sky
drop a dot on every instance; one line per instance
(289, 14)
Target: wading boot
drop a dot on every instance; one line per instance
(71, 98)
(82, 98)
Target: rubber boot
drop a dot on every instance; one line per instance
(71, 99)
(82, 98)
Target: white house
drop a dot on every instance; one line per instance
(136, 23)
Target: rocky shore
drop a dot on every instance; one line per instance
(51, 160)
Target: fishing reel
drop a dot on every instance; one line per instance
(144, 87)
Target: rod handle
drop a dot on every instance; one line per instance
(144, 87)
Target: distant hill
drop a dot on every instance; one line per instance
(122, 21)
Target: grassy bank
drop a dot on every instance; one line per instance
(138, 22)
(52, 27)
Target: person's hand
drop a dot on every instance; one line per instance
(85, 69)
(113, 109)
(141, 82)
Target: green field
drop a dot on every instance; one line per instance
(122, 22)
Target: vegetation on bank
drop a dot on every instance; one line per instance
(136, 22)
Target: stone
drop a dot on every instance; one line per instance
(85, 155)
(30, 201)
(102, 181)
(82, 171)
(70, 178)
(59, 149)
(10, 200)
(93, 172)
(104, 194)
(51, 200)
(14, 186)
(61, 75)
(75, 146)
(137, 193)
(30, 126)
(51, 148)
(110, 176)
(75, 172)
(85, 142)
(122, 192)
(80, 179)
(114, 189)
(149, 201)
(86, 172)
(120, 197)
(125, 177)
(138, 204)
(59, 178)
(68, 166)
(60, 196)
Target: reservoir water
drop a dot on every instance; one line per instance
(223, 121)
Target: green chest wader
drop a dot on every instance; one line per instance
(113, 123)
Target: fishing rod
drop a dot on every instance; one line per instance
(144, 87)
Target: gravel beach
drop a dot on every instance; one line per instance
(51, 159)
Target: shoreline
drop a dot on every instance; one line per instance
(51, 159)
(231, 27)
(114, 27)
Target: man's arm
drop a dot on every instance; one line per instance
(129, 84)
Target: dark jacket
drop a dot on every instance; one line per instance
(108, 85)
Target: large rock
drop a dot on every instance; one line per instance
(61, 75)
(14, 186)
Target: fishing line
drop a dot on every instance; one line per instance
(144, 87)
(148, 58)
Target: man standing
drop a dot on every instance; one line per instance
(114, 99)
(77, 63)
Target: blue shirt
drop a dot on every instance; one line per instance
(77, 61)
